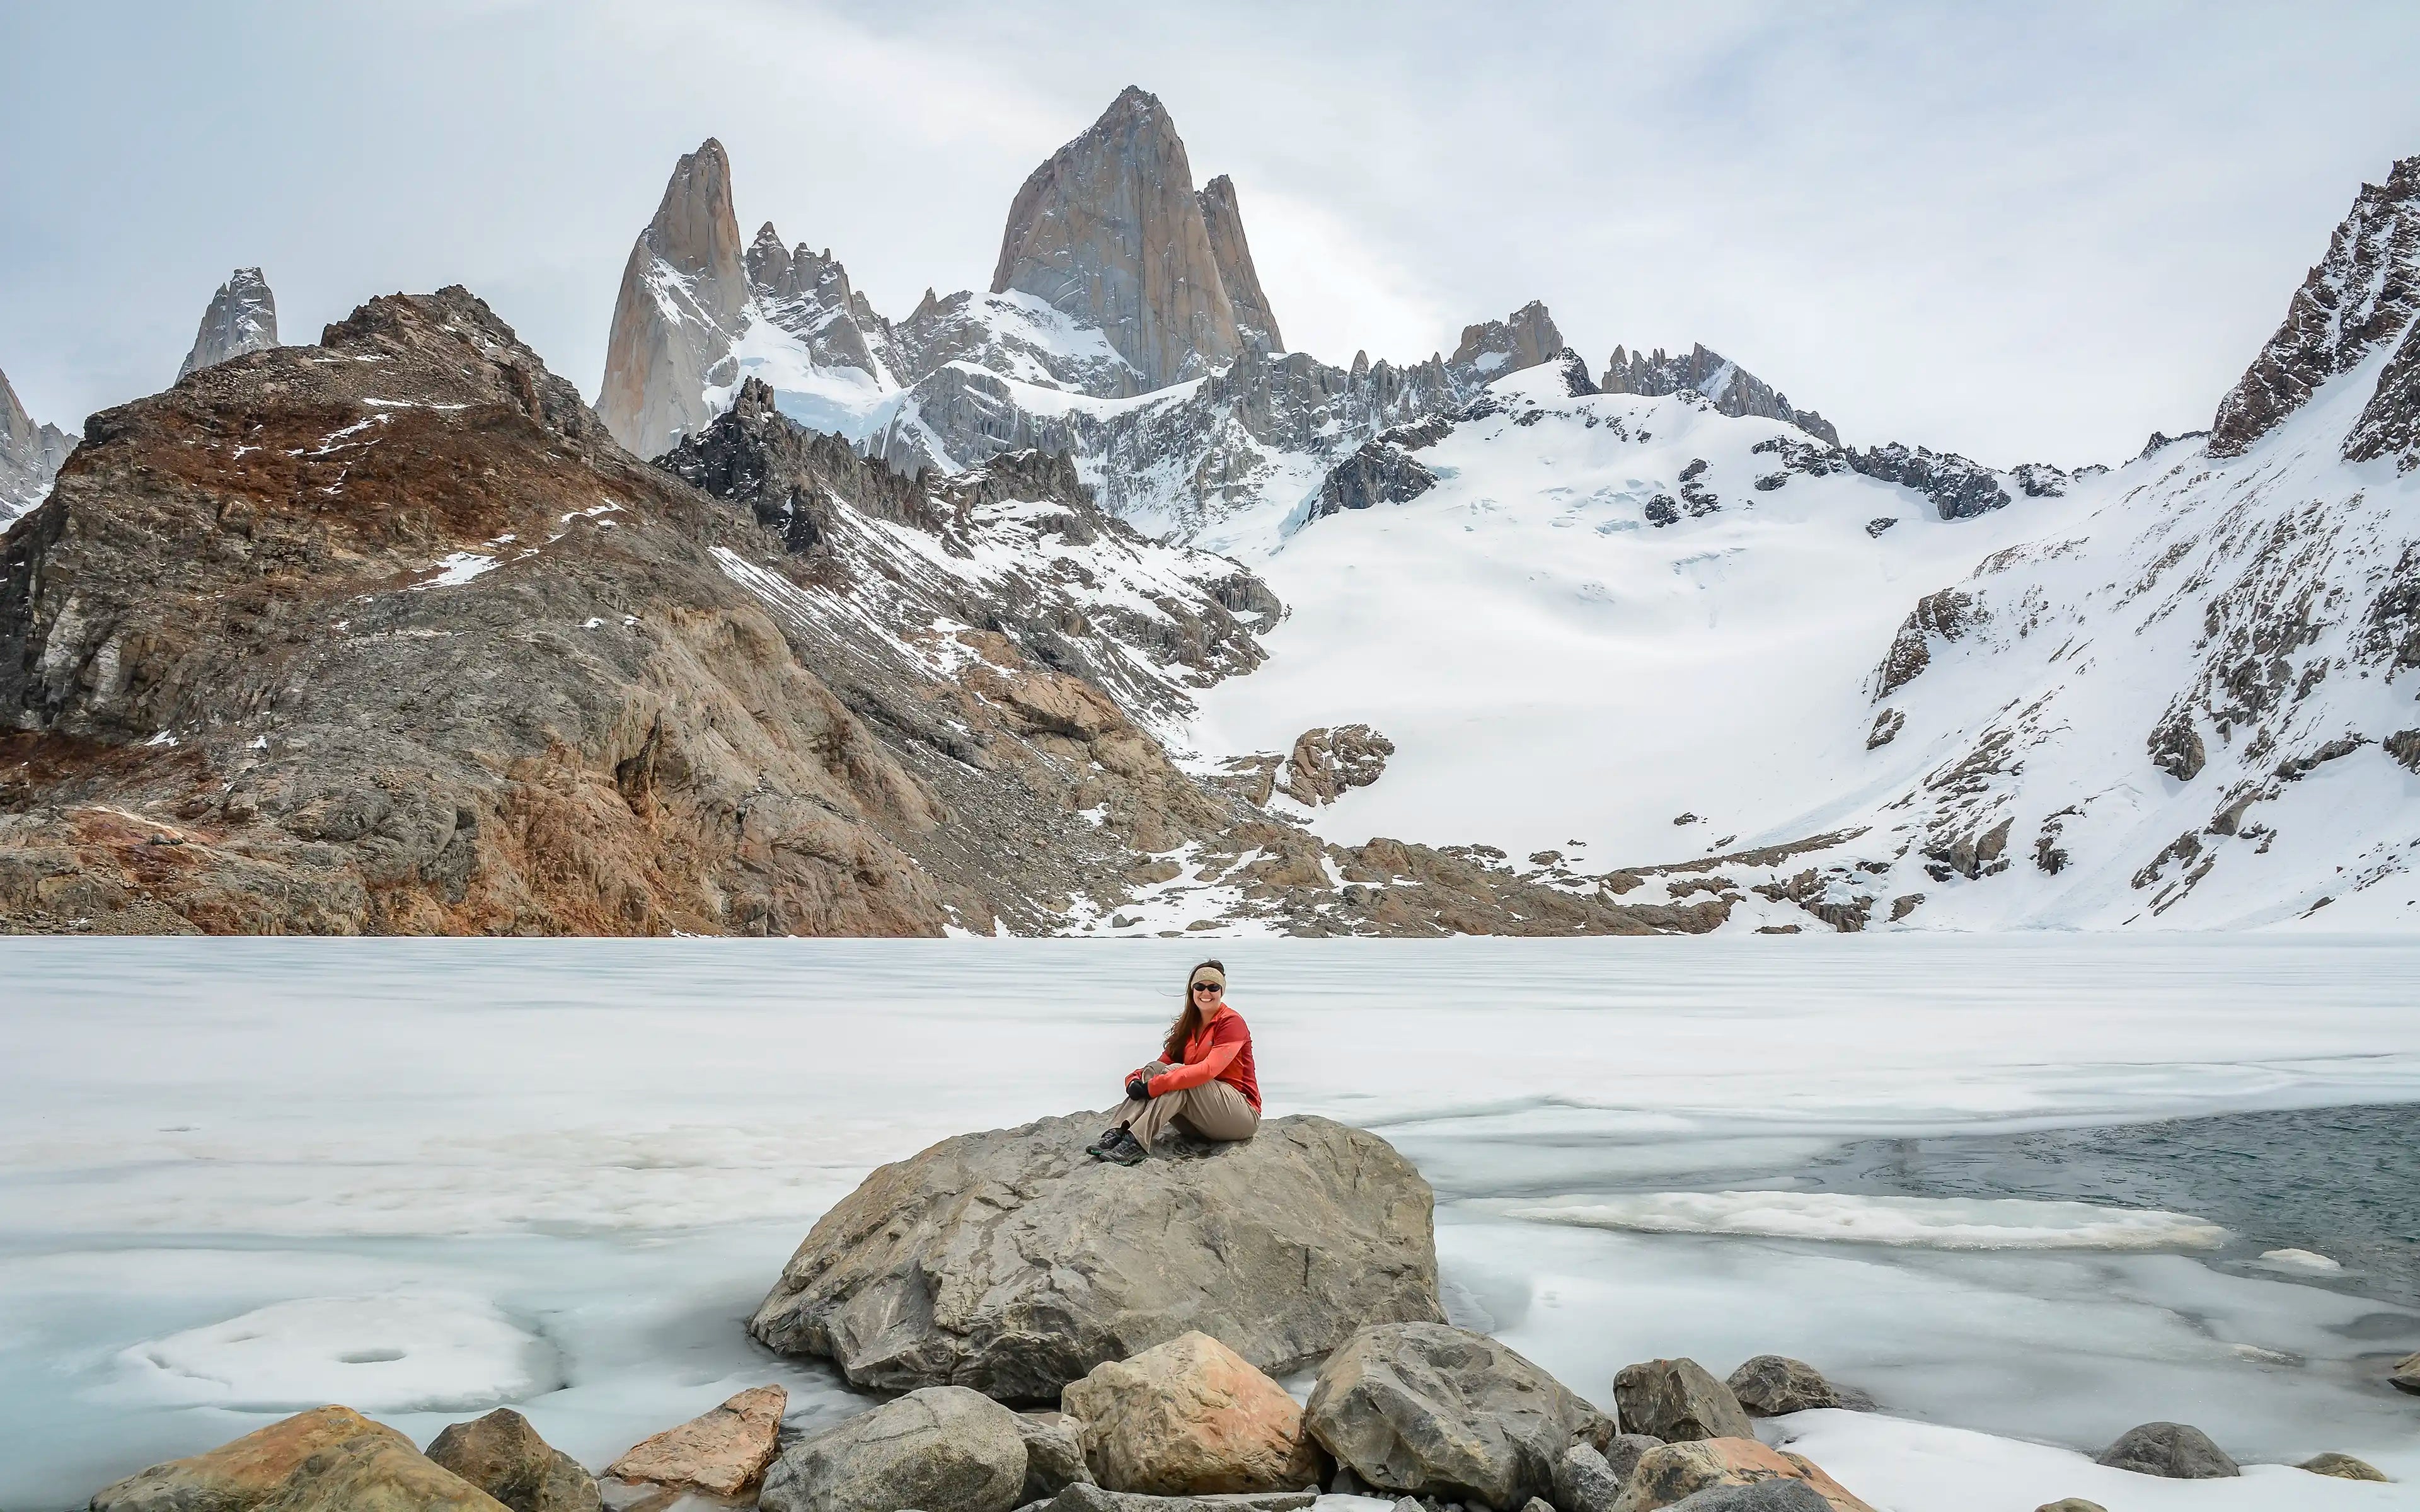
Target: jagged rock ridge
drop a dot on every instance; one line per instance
(2358, 297)
(241, 317)
(403, 641)
(30, 455)
(1733, 388)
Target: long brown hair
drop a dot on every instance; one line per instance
(1188, 1018)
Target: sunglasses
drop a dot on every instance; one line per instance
(1206, 986)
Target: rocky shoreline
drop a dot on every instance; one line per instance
(1123, 1324)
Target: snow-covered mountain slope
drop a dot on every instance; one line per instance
(1595, 620)
(1894, 687)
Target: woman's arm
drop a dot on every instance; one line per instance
(1194, 1073)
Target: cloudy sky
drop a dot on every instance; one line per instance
(2020, 231)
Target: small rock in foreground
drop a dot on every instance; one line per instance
(1585, 1481)
(1678, 1401)
(1670, 1474)
(2406, 1373)
(502, 1456)
(2343, 1467)
(942, 1449)
(2070, 1504)
(1764, 1496)
(1054, 1457)
(2176, 1451)
(1190, 1417)
(1430, 1407)
(1624, 1454)
(722, 1453)
(1773, 1384)
(1090, 1498)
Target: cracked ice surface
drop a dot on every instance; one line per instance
(429, 1177)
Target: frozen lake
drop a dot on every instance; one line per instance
(239, 1177)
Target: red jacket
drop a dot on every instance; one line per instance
(1220, 1051)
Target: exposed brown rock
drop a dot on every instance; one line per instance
(2362, 293)
(1947, 615)
(1328, 764)
(1188, 1417)
(722, 1452)
(502, 1456)
(2343, 1467)
(246, 1472)
(1109, 231)
(1678, 1401)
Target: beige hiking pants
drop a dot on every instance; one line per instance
(1214, 1110)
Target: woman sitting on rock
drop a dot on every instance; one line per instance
(1204, 1076)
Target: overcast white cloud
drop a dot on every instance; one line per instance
(2021, 232)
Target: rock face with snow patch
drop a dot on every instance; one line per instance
(807, 293)
(1498, 348)
(1013, 1262)
(1732, 389)
(30, 455)
(241, 317)
(1109, 230)
(684, 292)
(2361, 294)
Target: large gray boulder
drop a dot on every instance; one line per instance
(2178, 1451)
(1678, 1401)
(1013, 1263)
(1423, 1408)
(942, 1449)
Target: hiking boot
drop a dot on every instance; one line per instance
(1125, 1149)
(1109, 1137)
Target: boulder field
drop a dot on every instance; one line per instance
(1148, 1305)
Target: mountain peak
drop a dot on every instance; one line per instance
(683, 294)
(1109, 230)
(1224, 221)
(2363, 293)
(241, 317)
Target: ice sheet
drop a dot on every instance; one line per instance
(615, 1146)
(1932, 1223)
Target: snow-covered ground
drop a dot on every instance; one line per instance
(1560, 673)
(1552, 667)
(240, 1177)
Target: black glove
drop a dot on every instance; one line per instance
(1137, 1088)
